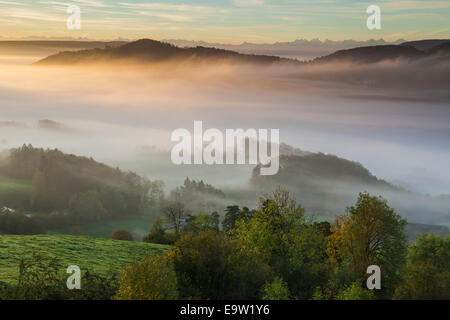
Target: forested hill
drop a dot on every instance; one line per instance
(374, 54)
(57, 177)
(326, 185)
(303, 171)
(147, 51)
(425, 44)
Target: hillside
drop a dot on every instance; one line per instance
(14, 192)
(425, 44)
(65, 191)
(148, 51)
(56, 176)
(326, 185)
(373, 54)
(96, 254)
(319, 166)
(440, 49)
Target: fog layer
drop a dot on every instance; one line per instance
(124, 116)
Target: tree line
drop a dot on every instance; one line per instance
(276, 252)
(70, 190)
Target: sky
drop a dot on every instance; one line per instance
(225, 21)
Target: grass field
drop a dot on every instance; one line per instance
(15, 193)
(96, 254)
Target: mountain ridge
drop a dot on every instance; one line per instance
(147, 50)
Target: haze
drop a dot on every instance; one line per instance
(124, 117)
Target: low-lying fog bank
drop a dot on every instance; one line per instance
(124, 116)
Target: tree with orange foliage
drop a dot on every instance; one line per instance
(371, 234)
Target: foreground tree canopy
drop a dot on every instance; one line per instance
(272, 252)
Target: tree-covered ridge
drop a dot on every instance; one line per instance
(319, 166)
(198, 196)
(374, 54)
(326, 184)
(147, 51)
(192, 187)
(72, 190)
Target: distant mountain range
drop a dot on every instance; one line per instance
(300, 49)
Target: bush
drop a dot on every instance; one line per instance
(211, 266)
(151, 279)
(356, 292)
(44, 278)
(427, 274)
(95, 287)
(76, 230)
(19, 223)
(40, 278)
(158, 233)
(122, 235)
(276, 290)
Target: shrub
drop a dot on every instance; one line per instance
(356, 292)
(151, 279)
(94, 287)
(122, 235)
(276, 290)
(43, 278)
(158, 233)
(427, 273)
(39, 278)
(211, 266)
(76, 230)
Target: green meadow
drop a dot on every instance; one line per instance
(103, 256)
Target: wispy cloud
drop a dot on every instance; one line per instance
(168, 7)
(25, 13)
(93, 3)
(11, 3)
(216, 20)
(55, 3)
(168, 16)
(172, 12)
(408, 5)
(247, 3)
